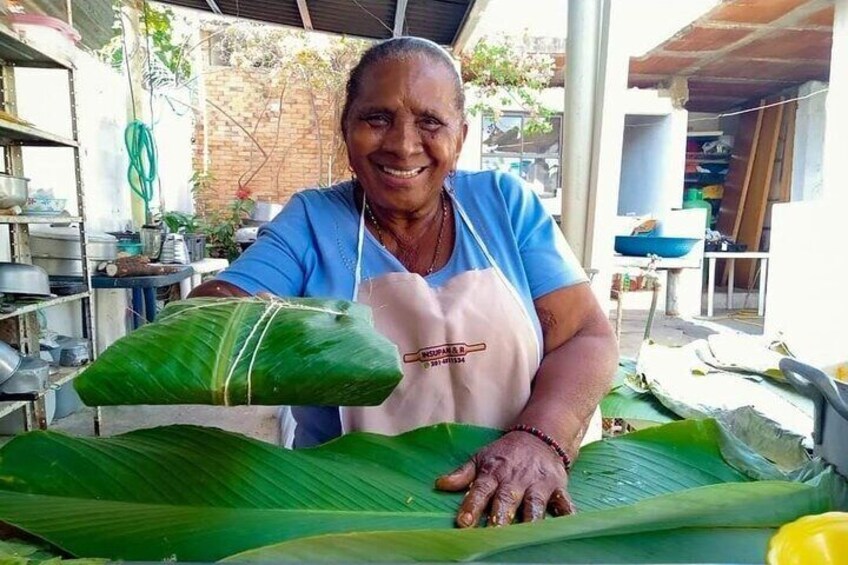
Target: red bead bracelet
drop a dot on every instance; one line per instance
(551, 442)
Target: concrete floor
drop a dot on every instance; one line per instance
(261, 422)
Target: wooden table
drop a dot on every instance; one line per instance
(143, 290)
(731, 256)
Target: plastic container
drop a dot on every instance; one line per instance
(196, 244)
(67, 401)
(694, 198)
(642, 246)
(46, 31)
(45, 206)
(131, 248)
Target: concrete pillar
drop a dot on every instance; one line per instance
(593, 130)
(578, 130)
(836, 129)
(808, 150)
(608, 139)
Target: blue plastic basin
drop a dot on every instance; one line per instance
(643, 245)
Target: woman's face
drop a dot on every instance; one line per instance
(404, 132)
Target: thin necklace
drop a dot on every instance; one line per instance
(438, 249)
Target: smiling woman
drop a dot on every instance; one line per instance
(465, 273)
(404, 129)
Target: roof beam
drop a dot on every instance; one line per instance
(400, 17)
(790, 19)
(467, 34)
(304, 15)
(214, 7)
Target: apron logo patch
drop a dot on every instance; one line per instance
(444, 354)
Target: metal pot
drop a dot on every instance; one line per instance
(10, 360)
(830, 426)
(20, 278)
(63, 243)
(74, 353)
(265, 211)
(13, 191)
(57, 250)
(63, 267)
(31, 376)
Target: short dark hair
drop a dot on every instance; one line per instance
(399, 48)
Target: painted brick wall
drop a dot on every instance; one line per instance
(292, 157)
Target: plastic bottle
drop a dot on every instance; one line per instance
(694, 198)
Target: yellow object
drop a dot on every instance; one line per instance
(841, 372)
(820, 539)
(714, 191)
(644, 227)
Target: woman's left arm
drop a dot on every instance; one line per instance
(520, 470)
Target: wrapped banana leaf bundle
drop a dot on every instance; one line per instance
(239, 351)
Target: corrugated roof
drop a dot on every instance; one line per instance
(437, 20)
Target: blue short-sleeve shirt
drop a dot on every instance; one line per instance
(310, 249)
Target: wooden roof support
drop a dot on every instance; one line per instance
(400, 17)
(213, 5)
(304, 15)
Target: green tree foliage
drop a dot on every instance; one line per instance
(157, 24)
(502, 74)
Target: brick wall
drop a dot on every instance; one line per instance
(292, 159)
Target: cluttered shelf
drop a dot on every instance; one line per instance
(58, 378)
(12, 310)
(14, 131)
(51, 219)
(708, 158)
(16, 51)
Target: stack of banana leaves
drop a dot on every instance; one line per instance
(680, 491)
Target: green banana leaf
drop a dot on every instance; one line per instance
(248, 351)
(752, 511)
(14, 552)
(202, 494)
(625, 403)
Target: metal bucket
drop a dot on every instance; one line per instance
(830, 428)
(63, 243)
(57, 250)
(13, 190)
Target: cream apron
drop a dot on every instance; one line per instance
(469, 348)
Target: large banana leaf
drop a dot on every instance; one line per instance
(625, 403)
(687, 527)
(203, 494)
(248, 351)
(15, 552)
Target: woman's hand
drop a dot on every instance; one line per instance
(518, 471)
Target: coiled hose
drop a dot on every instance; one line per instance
(142, 171)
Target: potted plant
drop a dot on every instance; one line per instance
(191, 227)
(220, 226)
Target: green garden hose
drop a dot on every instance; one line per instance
(141, 148)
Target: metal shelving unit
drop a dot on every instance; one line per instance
(15, 52)
(42, 304)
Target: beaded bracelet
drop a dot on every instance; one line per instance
(551, 442)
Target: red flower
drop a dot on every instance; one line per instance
(243, 193)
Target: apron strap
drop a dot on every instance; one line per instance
(482, 244)
(360, 240)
